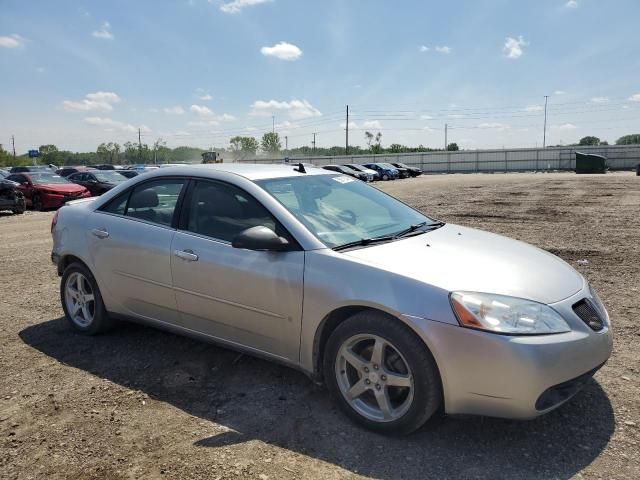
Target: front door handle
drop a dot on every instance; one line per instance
(187, 255)
(100, 233)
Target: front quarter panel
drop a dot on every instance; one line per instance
(333, 280)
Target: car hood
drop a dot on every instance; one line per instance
(61, 187)
(459, 258)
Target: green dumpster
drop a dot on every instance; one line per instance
(590, 163)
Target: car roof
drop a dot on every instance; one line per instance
(250, 171)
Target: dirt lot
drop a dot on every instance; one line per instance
(139, 403)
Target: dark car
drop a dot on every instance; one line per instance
(11, 198)
(386, 171)
(413, 171)
(43, 190)
(128, 173)
(66, 171)
(349, 171)
(4, 173)
(31, 168)
(363, 169)
(105, 166)
(97, 181)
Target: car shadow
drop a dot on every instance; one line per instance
(255, 399)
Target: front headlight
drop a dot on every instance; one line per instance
(508, 315)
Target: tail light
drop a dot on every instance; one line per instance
(54, 220)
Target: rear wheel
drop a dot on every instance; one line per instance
(82, 302)
(381, 374)
(385, 177)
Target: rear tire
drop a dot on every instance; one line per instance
(385, 177)
(82, 302)
(36, 203)
(381, 374)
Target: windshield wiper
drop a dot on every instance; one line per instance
(412, 230)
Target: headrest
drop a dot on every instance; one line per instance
(144, 199)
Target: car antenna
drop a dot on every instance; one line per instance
(300, 168)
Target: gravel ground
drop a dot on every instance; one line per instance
(140, 403)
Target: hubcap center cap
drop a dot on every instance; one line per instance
(374, 377)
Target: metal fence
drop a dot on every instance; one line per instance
(619, 157)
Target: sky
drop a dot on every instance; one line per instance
(198, 72)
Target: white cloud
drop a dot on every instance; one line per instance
(177, 110)
(374, 124)
(533, 108)
(236, 6)
(296, 109)
(201, 123)
(201, 110)
(494, 125)
(513, 47)
(283, 51)
(423, 48)
(426, 117)
(11, 41)
(634, 98)
(202, 94)
(564, 126)
(559, 92)
(98, 101)
(599, 99)
(104, 32)
(111, 125)
(352, 125)
(443, 49)
(572, 4)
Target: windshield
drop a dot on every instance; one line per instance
(109, 176)
(46, 178)
(338, 209)
(387, 165)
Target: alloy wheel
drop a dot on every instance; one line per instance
(80, 300)
(374, 378)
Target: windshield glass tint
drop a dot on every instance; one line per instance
(111, 177)
(338, 209)
(40, 178)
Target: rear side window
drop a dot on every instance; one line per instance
(155, 201)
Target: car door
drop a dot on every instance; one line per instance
(130, 243)
(251, 298)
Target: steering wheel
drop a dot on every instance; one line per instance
(348, 216)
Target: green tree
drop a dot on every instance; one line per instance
(368, 136)
(271, 142)
(6, 158)
(49, 154)
(589, 140)
(377, 147)
(159, 147)
(397, 148)
(633, 139)
(453, 147)
(244, 147)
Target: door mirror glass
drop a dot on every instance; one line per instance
(260, 238)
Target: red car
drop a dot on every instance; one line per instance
(47, 190)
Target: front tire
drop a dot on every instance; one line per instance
(381, 374)
(36, 203)
(82, 302)
(385, 177)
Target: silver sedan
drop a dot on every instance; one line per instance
(397, 313)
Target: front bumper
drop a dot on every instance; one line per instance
(518, 377)
(56, 200)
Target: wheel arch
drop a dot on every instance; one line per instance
(67, 260)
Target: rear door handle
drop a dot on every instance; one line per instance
(187, 255)
(100, 233)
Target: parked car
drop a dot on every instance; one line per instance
(349, 171)
(66, 171)
(98, 181)
(44, 190)
(4, 173)
(398, 313)
(31, 168)
(363, 169)
(413, 171)
(105, 166)
(11, 198)
(128, 173)
(386, 171)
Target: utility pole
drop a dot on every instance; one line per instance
(346, 143)
(446, 127)
(139, 146)
(286, 144)
(314, 142)
(273, 124)
(13, 144)
(544, 133)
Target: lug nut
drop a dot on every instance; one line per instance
(366, 369)
(377, 386)
(383, 377)
(375, 367)
(367, 381)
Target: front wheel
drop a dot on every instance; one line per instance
(36, 203)
(385, 177)
(381, 374)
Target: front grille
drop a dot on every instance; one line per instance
(589, 314)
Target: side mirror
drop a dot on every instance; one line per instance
(260, 238)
